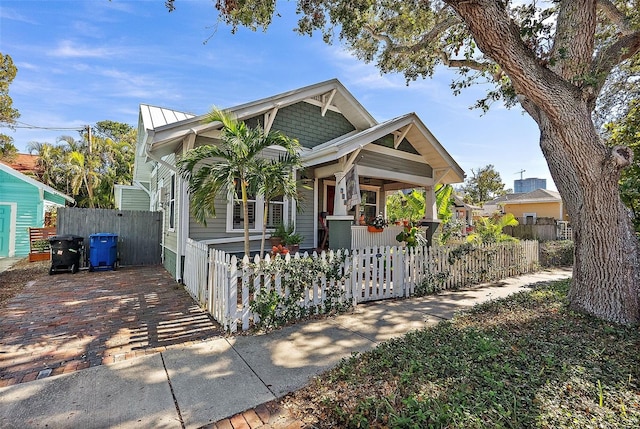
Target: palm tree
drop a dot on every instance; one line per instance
(276, 179)
(211, 169)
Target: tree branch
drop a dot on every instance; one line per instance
(626, 47)
(498, 37)
(473, 65)
(574, 39)
(428, 38)
(615, 16)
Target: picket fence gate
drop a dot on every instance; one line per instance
(226, 285)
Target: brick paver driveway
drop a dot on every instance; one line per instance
(67, 322)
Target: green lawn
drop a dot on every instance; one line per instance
(521, 362)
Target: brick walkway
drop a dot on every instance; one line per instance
(67, 322)
(265, 416)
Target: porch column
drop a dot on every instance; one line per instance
(339, 208)
(430, 219)
(339, 223)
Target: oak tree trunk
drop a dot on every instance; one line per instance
(605, 272)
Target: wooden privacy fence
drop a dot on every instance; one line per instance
(39, 248)
(369, 274)
(139, 232)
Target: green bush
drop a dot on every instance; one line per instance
(556, 253)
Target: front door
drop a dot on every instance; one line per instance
(331, 193)
(5, 229)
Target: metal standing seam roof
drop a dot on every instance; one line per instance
(154, 117)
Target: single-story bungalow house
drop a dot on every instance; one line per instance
(342, 144)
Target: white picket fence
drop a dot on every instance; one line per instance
(369, 274)
(196, 261)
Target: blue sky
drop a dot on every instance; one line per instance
(80, 62)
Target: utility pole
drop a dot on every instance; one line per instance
(89, 137)
(520, 172)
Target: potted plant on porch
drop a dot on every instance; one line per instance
(285, 235)
(376, 224)
(293, 242)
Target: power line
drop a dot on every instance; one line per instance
(36, 127)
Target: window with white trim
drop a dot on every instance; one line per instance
(277, 214)
(238, 212)
(529, 218)
(172, 202)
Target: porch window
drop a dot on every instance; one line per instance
(369, 204)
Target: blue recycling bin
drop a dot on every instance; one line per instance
(103, 251)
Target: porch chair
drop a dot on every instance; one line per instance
(323, 232)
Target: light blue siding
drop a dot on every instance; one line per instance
(30, 208)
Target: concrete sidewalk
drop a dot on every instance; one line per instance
(203, 383)
(6, 263)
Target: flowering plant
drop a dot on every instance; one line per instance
(378, 222)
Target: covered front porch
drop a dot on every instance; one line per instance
(353, 177)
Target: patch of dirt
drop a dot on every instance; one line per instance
(19, 275)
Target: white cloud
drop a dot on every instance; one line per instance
(70, 49)
(12, 14)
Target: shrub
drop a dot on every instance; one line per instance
(556, 253)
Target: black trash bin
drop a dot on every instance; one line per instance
(65, 253)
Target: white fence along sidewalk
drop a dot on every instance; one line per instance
(372, 273)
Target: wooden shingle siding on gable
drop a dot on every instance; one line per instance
(305, 122)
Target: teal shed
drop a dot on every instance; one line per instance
(23, 202)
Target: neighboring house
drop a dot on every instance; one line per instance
(336, 133)
(129, 196)
(527, 207)
(24, 163)
(23, 203)
(464, 211)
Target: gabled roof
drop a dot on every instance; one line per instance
(331, 93)
(429, 148)
(536, 196)
(459, 202)
(163, 130)
(34, 182)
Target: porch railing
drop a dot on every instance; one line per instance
(367, 274)
(361, 237)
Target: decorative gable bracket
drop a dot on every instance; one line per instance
(399, 135)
